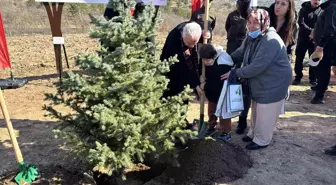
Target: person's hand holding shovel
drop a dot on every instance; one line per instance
(200, 91)
(206, 34)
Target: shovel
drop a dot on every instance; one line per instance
(28, 173)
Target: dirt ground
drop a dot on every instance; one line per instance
(295, 155)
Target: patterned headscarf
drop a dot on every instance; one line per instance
(262, 17)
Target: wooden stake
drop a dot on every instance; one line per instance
(10, 129)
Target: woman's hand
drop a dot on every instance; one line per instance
(225, 76)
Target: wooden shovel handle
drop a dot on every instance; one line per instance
(15, 144)
(205, 41)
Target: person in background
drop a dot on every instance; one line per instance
(283, 19)
(216, 65)
(268, 72)
(307, 18)
(109, 13)
(321, 36)
(324, 38)
(182, 41)
(198, 17)
(236, 30)
(235, 26)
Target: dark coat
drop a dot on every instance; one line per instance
(198, 16)
(110, 13)
(213, 86)
(325, 27)
(235, 26)
(185, 72)
(307, 19)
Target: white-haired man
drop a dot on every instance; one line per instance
(182, 41)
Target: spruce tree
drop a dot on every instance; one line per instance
(117, 114)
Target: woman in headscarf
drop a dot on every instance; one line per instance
(268, 73)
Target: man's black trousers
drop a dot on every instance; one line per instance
(303, 44)
(323, 70)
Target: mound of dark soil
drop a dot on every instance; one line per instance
(203, 162)
(207, 162)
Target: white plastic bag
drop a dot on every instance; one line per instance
(223, 107)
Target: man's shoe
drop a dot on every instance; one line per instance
(331, 151)
(240, 131)
(313, 84)
(317, 101)
(296, 82)
(254, 146)
(247, 139)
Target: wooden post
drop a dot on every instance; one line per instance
(10, 129)
(55, 17)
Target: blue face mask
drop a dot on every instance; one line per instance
(254, 34)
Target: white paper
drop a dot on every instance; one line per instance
(58, 40)
(235, 98)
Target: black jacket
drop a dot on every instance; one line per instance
(214, 84)
(235, 26)
(185, 72)
(307, 18)
(325, 27)
(110, 13)
(198, 15)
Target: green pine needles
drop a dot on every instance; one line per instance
(117, 116)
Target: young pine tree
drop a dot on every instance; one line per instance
(117, 114)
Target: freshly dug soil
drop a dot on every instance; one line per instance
(203, 162)
(206, 162)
